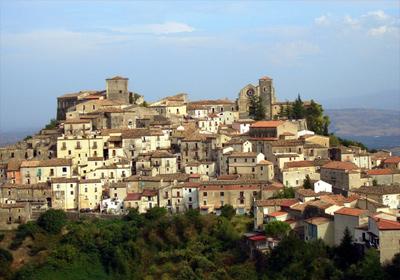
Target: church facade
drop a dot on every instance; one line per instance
(266, 91)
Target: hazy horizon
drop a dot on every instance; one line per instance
(341, 54)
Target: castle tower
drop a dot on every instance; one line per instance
(117, 89)
(267, 93)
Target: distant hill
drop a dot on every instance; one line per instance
(376, 128)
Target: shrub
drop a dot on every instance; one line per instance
(52, 221)
(228, 211)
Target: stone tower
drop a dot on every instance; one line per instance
(117, 89)
(267, 93)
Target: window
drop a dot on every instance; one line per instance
(177, 194)
(64, 169)
(204, 202)
(204, 193)
(85, 189)
(190, 190)
(190, 199)
(72, 192)
(221, 193)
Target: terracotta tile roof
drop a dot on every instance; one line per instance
(286, 202)
(392, 160)
(318, 220)
(319, 204)
(306, 192)
(133, 196)
(266, 124)
(162, 154)
(340, 165)
(336, 199)
(64, 180)
(118, 185)
(46, 163)
(14, 165)
(133, 133)
(300, 163)
(299, 207)
(263, 138)
(243, 155)
(89, 181)
(287, 143)
(384, 224)
(228, 177)
(277, 214)
(27, 186)
(385, 171)
(229, 187)
(380, 190)
(13, 205)
(265, 162)
(95, 159)
(351, 211)
(149, 193)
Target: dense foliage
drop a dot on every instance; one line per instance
(52, 124)
(256, 108)
(313, 113)
(185, 246)
(335, 141)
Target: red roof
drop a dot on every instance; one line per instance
(387, 224)
(340, 165)
(262, 124)
(300, 163)
(133, 196)
(149, 193)
(392, 160)
(351, 211)
(385, 171)
(258, 238)
(277, 214)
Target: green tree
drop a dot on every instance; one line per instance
(52, 220)
(277, 229)
(52, 124)
(155, 213)
(260, 110)
(228, 211)
(392, 269)
(298, 111)
(346, 253)
(307, 182)
(370, 267)
(374, 182)
(5, 262)
(286, 192)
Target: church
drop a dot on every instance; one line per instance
(266, 90)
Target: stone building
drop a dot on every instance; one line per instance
(343, 176)
(117, 89)
(265, 90)
(240, 194)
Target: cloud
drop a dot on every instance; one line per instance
(381, 30)
(378, 15)
(352, 22)
(156, 28)
(322, 20)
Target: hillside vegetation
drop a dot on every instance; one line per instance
(182, 246)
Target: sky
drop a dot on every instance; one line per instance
(341, 54)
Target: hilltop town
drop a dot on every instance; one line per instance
(109, 151)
